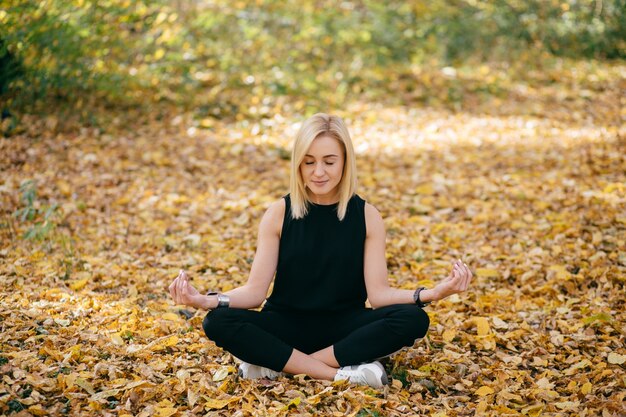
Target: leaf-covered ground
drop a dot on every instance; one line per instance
(530, 189)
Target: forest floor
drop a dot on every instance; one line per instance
(529, 188)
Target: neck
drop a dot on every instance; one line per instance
(323, 199)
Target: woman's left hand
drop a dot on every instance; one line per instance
(458, 281)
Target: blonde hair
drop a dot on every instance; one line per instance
(321, 124)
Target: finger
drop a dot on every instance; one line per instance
(456, 276)
(466, 277)
(467, 270)
(172, 287)
(176, 292)
(458, 271)
(469, 276)
(179, 286)
(183, 290)
(172, 284)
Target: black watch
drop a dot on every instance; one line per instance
(416, 298)
(223, 301)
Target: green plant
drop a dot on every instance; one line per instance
(42, 217)
(400, 373)
(365, 412)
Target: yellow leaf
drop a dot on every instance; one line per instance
(79, 284)
(37, 410)
(487, 273)
(534, 410)
(171, 316)
(574, 368)
(294, 402)
(207, 123)
(586, 388)
(544, 383)
(425, 189)
(481, 407)
(117, 339)
(561, 271)
(568, 405)
(616, 358)
(214, 404)
(222, 373)
(160, 53)
(482, 326)
(84, 385)
(164, 343)
(165, 411)
(448, 335)
(64, 187)
(484, 390)
(192, 397)
(62, 322)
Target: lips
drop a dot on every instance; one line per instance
(319, 183)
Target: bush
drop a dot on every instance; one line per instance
(223, 54)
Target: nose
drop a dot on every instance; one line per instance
(319, 170)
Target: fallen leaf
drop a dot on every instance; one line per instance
(448, 335)
(616, 358)
(79, 284)
(487, 273)
(482, 326)
(483, 391)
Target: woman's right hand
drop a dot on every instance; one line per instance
(184, 293)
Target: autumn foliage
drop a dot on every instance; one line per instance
(517, 167)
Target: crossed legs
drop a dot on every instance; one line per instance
(315, 345)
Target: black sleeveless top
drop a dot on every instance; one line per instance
(320, 260)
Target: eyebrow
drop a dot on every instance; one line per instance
(325, 156)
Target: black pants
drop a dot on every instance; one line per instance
(267, 338)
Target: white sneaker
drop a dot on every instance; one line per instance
(249, 371)
(372, 374)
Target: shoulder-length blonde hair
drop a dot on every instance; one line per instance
(321, 124)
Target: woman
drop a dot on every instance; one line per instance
(326, 246)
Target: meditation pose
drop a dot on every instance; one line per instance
(324, 247)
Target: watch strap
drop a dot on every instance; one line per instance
(417, 299)
(223, 301)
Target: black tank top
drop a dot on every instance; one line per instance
(320, 260)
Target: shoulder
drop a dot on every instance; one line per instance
(373, 220)
(274, 215)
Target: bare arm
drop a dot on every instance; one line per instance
(379, 292)
(253, 293)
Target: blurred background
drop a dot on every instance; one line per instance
(254, 59)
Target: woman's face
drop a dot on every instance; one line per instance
(322, 169)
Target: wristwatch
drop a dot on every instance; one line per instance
(416, 298)
(223, 301)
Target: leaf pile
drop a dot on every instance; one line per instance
(530, 190)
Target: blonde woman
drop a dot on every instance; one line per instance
(325, 248)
